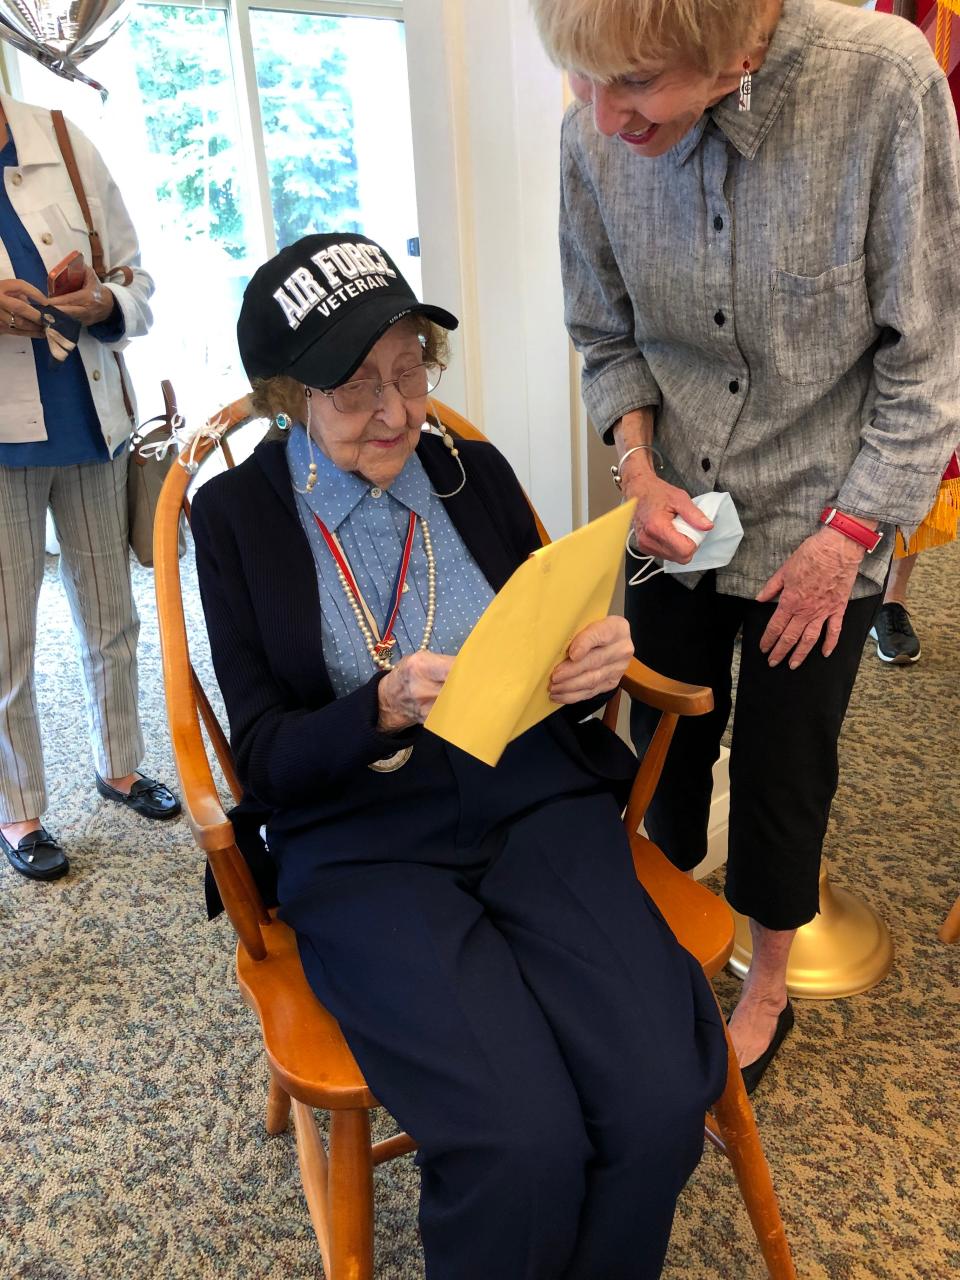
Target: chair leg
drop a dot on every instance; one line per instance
(738, 1129)
(278, 1108)
(339, 1189)
(350, 1196)
(313, 1172)
(950, 929)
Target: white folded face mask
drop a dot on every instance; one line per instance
(715, 547)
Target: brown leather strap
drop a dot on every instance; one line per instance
(169, 401)
(96, 248)
(70, 160)
(123, 387)
(168, 418)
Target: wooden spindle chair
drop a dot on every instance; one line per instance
(310, 1064)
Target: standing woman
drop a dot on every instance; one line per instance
(63, 444)
(760, 234)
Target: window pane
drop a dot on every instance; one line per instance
(169, 134)
(335, 109)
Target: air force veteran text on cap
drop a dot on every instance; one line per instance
(316, 309)
(345, 268)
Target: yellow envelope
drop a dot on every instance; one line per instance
(498, 686)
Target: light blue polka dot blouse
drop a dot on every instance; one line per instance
(371, 524)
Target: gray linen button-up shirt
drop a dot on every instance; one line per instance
(783, 286)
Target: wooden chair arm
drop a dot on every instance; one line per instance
(673, 699)
(646, 685)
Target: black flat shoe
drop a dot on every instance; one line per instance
(149, 798)
(753, 1072)
(38, 856)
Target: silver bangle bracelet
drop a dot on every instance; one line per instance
(617, 471)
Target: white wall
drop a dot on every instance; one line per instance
(487, 106)
(9, 83)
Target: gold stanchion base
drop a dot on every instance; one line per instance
(844, 950)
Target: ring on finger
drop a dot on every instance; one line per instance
(13, 321)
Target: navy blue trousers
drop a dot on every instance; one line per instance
(522, 1009)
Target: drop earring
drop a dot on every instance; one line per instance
(436, 428)
(282, 421)
(746, 87)
(312, 469)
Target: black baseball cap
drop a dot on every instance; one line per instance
(316, 309)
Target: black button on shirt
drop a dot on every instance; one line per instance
(720, 318)
(718, 223)
(734, 387)
(705, 463)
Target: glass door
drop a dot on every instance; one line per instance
(335, 119)
(230, 130)
(170, 135)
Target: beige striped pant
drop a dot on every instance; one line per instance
(89, 506)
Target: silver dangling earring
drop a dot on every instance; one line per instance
(282, 421)
(437, 428)
(746, 88)
(312, 469)
(312, 477)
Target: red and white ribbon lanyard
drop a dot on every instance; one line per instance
(386, 640)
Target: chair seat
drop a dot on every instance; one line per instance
(702, 922)
(306, 1049)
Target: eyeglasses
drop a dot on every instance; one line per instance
(365, 395)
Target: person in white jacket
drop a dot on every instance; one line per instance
(64, 431)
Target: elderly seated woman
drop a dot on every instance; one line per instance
(508, 989)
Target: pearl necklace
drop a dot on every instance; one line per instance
(362, 615)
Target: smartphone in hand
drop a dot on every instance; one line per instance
(67, 276)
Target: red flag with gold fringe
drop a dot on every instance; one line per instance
(939, 20)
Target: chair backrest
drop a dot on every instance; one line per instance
(187, 703)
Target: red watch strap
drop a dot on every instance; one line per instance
(851, 528)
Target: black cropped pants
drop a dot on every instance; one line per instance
(783, 756)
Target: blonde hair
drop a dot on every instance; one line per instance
(606, 39)
(283, 394)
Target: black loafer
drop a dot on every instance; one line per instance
(38, 856)
(149, 798)
(753, 1072)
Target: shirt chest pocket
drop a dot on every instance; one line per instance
(56, 230)
(821, 325)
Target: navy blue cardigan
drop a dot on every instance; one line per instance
(296, 745)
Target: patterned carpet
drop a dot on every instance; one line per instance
(132, 1089)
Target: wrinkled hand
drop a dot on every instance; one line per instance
(90, 305)
(657, 504)
(597, 658)
(18, 318)
(408, 692)
(814, 586)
